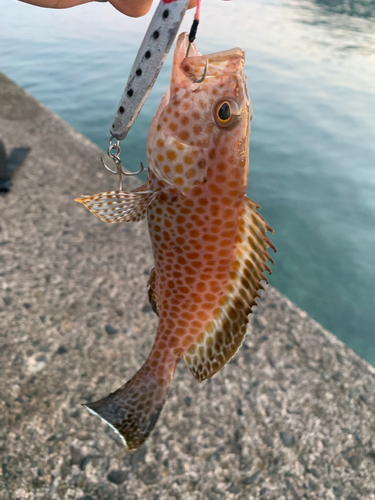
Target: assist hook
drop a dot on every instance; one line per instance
(113, 152)
(192, 35)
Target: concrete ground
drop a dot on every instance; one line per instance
(290, 417)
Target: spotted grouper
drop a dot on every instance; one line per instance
(208, 240)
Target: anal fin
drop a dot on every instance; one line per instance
(224, 335)
(152, 291)
(119, 206)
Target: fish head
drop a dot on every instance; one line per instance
(197, 119)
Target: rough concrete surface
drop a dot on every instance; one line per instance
(290, 417)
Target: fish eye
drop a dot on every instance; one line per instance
(226, 114)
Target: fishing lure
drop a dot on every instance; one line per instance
(152, 53)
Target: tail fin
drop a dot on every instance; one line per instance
(133, 410)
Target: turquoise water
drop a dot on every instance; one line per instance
(311, 77)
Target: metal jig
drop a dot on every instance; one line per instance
(151, 55)
(121, 126)
(113, 152)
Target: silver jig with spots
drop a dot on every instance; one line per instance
(152, 53)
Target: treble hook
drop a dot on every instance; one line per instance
(117, 161)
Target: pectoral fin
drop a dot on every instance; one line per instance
(224, 335)
(118, 206)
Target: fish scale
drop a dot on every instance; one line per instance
(208, 240)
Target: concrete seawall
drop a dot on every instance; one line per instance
(290, 417)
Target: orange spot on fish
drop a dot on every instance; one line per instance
(184, 135)
(171, 154)
(187, 341)
(234, 193)
(200, 339)
(192, 349)
(197, 191)
(227, 243)
(215, 189)
(202, 315)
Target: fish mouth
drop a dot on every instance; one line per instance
(179, 77)
(195, 67)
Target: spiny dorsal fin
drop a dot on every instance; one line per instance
(152, 291)
(224, 335)
(118, 206)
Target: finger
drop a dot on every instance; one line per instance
(132, 8)
(138, 8)
(56, 4)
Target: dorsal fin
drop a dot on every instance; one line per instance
(152, 291)
(119, 206)
(225, 333)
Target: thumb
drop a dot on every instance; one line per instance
(138, 8)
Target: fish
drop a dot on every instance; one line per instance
(208, 239)
(150, 58)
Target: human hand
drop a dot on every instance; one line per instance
(132, 8)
